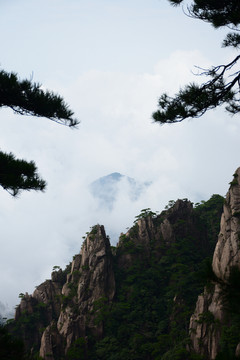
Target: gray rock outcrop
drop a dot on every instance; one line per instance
(210, 313)
(69, 305)
(227, 254)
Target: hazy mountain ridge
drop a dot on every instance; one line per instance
(107, 188)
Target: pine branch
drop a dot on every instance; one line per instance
(17, 175)
(194, 100)
(27, 98)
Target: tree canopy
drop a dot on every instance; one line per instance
(223, 84)
(27, 98)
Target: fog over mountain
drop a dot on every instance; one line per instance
(107, 188)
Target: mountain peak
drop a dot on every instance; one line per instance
(106, 189)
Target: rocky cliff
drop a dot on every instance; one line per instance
(214, 326)
(129, 302)
(65, 308)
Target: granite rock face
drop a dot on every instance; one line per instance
(204, 323)
(68, 304)
(211, 313)
(90, 283)
(227, 254)
(38, 309)
(152, 233)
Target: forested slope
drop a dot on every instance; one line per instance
(132, 301)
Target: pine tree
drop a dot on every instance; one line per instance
(224, 80)
(27, 98)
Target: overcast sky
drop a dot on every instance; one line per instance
(110, 60)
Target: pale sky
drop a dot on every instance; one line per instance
(110, 60)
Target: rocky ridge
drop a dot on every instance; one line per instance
(66, 305)
(212, 314)
(69, 312)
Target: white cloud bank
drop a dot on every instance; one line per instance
(193, 159)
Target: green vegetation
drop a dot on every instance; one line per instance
(207, 212)
(170, 204)
(230, 335)
(235, 180)
(10, 347)
(155, 298)
(145, 213)
(78, 350)
(127, 244)
(56, 268)
(155, 293)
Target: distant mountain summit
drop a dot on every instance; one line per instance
(106, 189)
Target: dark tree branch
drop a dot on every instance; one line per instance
(195, 100)
(27, 98)
(17, 175)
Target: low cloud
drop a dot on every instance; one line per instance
(191, 160)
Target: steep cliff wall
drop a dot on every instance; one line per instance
(70, 301)
(227, 254)
(152, 235)
(39, 309)
(215, 310)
